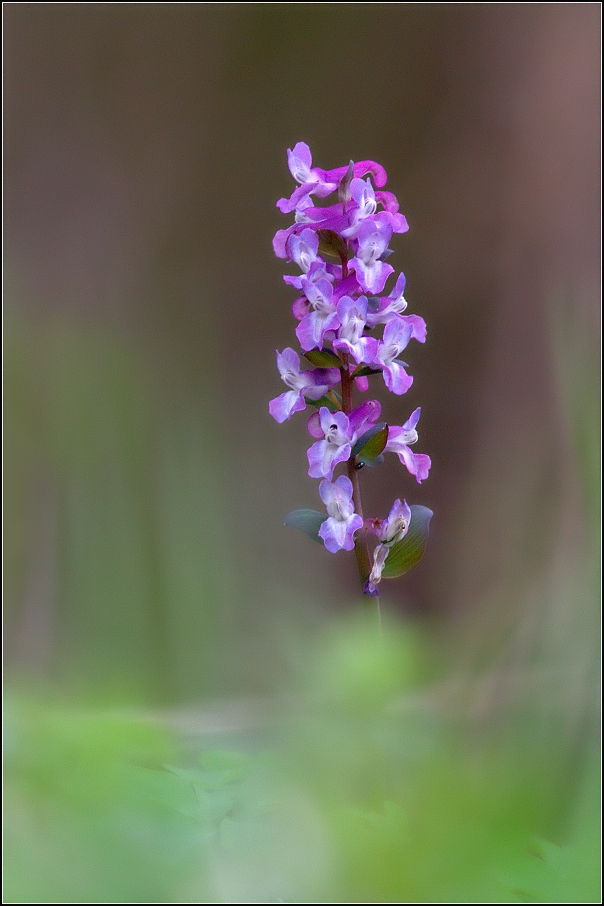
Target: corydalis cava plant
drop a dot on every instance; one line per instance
(350, 331)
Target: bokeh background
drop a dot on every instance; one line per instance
(146, 560)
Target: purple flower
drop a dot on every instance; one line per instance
(322, 316)
(373, 238)
(353, 317)
(391, 305)
(300, 308)
(316, 271)
(363, 205)
(379, 559)
(338, 530)
(303, 249)
(316, 181)
(361, 168)
(300, 166)
(359, 420)
(397, 334)
(312, 384)
(389, 531)
(396, 222)
(396, 525)
(281, 239)
(363, 416)
(313, 426)
(327, 218)
(418, 327)
(388, 200)
(335, 447)
(399, 440)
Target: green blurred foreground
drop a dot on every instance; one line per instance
(361, 788)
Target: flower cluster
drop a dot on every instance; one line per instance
(349, 330)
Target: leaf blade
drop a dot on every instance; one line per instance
(365, 371)
(331, 244)
(372, 463)
(410, 549)
(323, 358)
(372, 442)
(333, 401)
(306, 521)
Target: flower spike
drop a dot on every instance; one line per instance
(349, 324)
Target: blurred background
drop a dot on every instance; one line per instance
(146, 561)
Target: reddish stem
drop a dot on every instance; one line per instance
(344, 260)
(361, 548)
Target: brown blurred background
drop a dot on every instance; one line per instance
(146, 485)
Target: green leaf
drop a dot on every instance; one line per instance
(307, 521)
(365, 370)
(331, 244)
(409, 550)
(327, 401)
(372, 442)
(372, 463)
(323, 358)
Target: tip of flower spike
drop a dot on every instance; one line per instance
(370, 589)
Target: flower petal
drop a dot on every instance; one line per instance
(284, 406)
(396, 378)
(418, 464)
